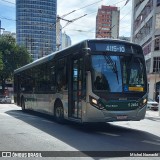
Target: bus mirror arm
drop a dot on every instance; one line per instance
(86, 51)
(87, 62)
(22, 89)
(83, 97)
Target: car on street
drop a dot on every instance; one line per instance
(152, 105)
(5, 99)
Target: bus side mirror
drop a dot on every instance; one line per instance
(87, 58)
(22, 89)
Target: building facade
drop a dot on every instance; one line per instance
(36, 26)
(146, 32)
(107, 22)
(58, 36)
(66, 41)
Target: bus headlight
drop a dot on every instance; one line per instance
(144, 101)
(94, 102)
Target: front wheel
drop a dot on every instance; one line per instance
(59, 112)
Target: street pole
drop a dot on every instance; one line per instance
(159, 94)
(159, 102)
(155, 86)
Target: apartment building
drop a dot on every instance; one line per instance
(146, 32)
(107, 22)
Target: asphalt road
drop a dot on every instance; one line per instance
(30, 131)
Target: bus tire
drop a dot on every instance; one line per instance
(59, 112)
(23, 104)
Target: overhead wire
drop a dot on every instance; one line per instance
(65, 14)
(7, 18)
(71, 21)
(112, 4)
(8, 2)
(89, 5)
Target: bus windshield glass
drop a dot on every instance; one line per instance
(118, 73)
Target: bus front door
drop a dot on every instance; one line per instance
(18, 90)
(75, 109)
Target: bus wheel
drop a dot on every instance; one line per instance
(23, 104)
(58, 112)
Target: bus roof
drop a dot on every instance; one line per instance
(52, 55)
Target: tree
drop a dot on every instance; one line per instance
(1, 62)
(12, 57)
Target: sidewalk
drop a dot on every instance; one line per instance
(152, 115)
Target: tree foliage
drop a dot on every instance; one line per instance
(12, 57)
(1, 62)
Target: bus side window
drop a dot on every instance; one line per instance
(23, 82)
(61, 76)
(53, 82)
(61, 80)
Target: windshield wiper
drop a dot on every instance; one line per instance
(114, 66)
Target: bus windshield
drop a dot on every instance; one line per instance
(118, 73)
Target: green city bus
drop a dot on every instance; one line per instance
(96, 80)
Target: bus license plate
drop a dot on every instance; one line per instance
(121, 117)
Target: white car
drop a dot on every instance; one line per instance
(5, 99)
(152, 105)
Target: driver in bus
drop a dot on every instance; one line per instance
(98, 84)
(101, 83)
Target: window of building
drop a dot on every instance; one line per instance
(157, 21)
(105, 29)
(156, 64)
(147, 49)
(158, 3)
(148, 65)
(157, 44)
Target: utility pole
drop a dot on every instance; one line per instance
(159, 101)
(68, 22)
(71, 21)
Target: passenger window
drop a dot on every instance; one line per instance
(61, 76)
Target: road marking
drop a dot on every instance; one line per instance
(32, 117)
(47, 121)
(110, 134)
(150, 142)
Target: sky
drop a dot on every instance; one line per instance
(80, 29)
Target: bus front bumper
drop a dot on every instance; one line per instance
(92, 114)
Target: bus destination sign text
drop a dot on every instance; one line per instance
(110, 47)
(115, 48)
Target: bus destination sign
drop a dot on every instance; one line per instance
(110, 47)
(115, 48)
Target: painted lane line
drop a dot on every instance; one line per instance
(47, 121)
(110, 134)
(150, 142)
